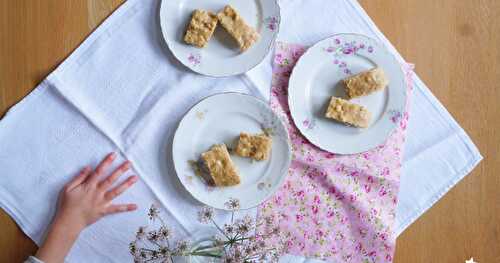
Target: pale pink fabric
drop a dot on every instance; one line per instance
(335, 207)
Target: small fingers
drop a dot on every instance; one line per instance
(80, 178)
(105, 163)
(106, 183)
(112, 194)
(113, 209)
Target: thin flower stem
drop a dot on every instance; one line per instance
(260, 253)
(206, 255)
(156, 243)
(147, 249)
(232, 217)
(206, 251)
(217, 226)
(241, 239)
(236, 236)
(204, 247)
(161, 221)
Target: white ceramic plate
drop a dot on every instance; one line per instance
(220, 119)
(317, 76)
(221, 57)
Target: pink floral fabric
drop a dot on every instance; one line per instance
(338, 208)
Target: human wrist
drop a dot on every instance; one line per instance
(61, 236)
(67, 225)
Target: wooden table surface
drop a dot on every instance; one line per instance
(455, 45)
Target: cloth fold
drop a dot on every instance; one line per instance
(122, 90)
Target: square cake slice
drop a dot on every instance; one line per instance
(200, 28)
(365, 83)
(346, 112)
(256, 146)
(218, 167)
(234, 24)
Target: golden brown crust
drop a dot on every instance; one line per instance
(346, 112)
(365, 83)
(234, 24)
(256, 147)
(200, 28)
(219, 166)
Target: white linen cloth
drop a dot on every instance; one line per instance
(122, 90)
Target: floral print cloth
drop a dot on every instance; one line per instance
(339, 208)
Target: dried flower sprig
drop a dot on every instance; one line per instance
(205, 215)
(232, 204)
(237, 242)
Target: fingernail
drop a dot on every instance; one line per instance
(131, 180)
(112, 155)
(133, 207)
(134, 178)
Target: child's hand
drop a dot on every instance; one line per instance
(88, 196)
(83, 201)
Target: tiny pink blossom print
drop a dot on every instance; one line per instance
(338, 208)
(271, 23)
(340, 48)
(308, 124)
(395, 115)
(194, 59)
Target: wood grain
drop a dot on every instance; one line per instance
(455, 45)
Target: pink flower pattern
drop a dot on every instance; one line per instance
(271, 23)
(194, 59)
(338, 208)
(340, 47)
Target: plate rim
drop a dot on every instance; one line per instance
(288, 144)
(270, 47)
(294, 70)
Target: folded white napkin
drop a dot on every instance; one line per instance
(122, 90)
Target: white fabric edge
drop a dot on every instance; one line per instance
(71, 59)
(17, 215)
(101, 33)
(432, 201)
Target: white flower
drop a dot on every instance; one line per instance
(142, 255)
(141, 232)
(218, 240)
(232, 204)
(153, 212)
(269, 220)
(153, 236)
(274, 231)
(248, 220)
(261, 244)
(240, 242)
(229, 229)
(205, 215)
(181, 247)
(165, 252)
(164, 232)
(245, 225)
(234, 255)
